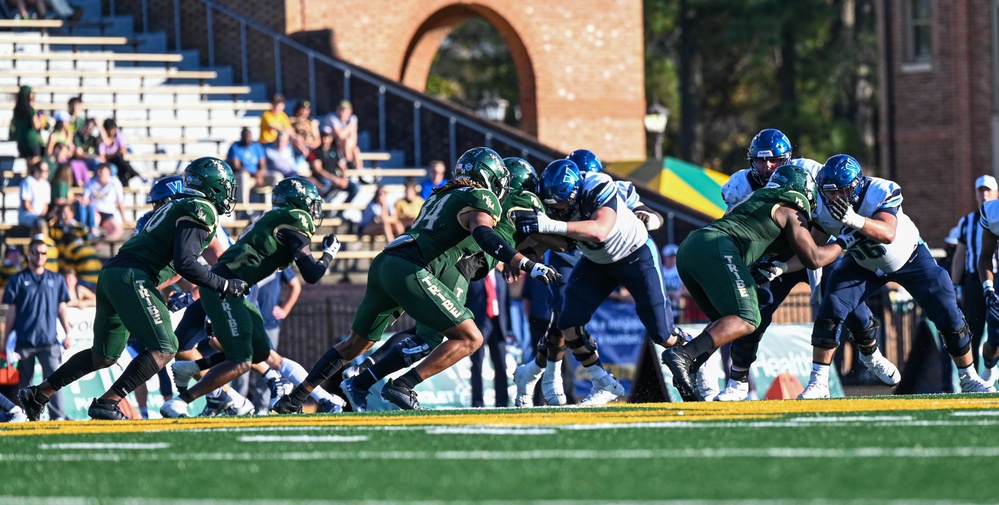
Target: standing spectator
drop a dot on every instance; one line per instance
(36, 298)
(964, 266)
(436, 177)
(305, 129)
(274, 121)
(343, 124)
(248, 163)
(488, 301)
(408, 207)
(280, 159)
(379, 217)
(27, 124)
(675, 290)
(106, 197)
(113, 149)
(274, 312)
(329, 170)
(36, 195)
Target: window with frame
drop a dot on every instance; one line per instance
(918, 31)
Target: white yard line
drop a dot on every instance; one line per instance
(303, 438)
(114, 446)
(67, 500)
(489, 430)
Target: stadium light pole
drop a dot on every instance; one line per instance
(655, 123)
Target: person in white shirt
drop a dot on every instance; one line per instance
(107, 198)
(36, 195)
(343, 124)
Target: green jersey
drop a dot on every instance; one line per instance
(260, 251)
(437, 228)
(751, 224)
(153, 246)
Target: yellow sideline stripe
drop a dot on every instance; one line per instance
(625, 413)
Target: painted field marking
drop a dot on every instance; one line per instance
(976, 413)
(852, 419)
(114, 446)
(79, 500)
(303, 438)
(489, 430)
(666, 454)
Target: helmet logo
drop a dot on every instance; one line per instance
(764, 153)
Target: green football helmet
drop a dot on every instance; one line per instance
(484, 166)
(298, 193)
(523, 177)
(795, 178)
(212, 179)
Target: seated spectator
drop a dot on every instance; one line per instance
(249, 164)
(64, 228)
(305, 136)
(60, 8)
(274, 121)
(74, 121)
(343, 124)
(36, 195)
(106, 197)
(280, 159)
(27, 124)
(61, 184)
(436, 173)
(60, 135)
(86, 143)
(329, 171)
(113, 150)
(78, 261)
(408, 207)
(379, 217)
(13, 262)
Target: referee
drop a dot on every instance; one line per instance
(964, 269)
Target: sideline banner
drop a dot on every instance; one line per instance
(619, 335)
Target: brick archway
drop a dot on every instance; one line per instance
(429, 36)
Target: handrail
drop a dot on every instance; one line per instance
(452, 114)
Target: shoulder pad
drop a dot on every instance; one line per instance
(990, 216)
(628, 193)
(200, 209)
(486, 201)
(880, 195)
(303, 221)
(811, 166)
(737, 189)
(797, 200)
(598, 189)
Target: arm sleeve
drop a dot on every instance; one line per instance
(493, 244)
(186, 250)
(298, 244)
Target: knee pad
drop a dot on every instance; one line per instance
(584, 347)
(867, 338)
(825, 333)
(957, 342)
(412, 349)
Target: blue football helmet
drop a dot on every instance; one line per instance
(585, 161)
(841, 175)
(561, 183)
(768, 145)
(165, 188)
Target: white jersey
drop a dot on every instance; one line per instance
(740, 185)
(990, 216)
(877, 195)
(629, 233)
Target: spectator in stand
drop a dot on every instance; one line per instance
(113, 150)
(675, 290)
(61, 184)
(408, 207)
(436, 177)
(329, 170)
(343, 124)
(28, 124)
(78, 261)
(379, 217)
(36, 298)
(249, 164)
(13, 262)
(107, 198)
(60, 136)
(274, 312)
(36, 195)
(280, 159)
(40, 231)
(74, 121)
(87, 145)
(305, 129)
(489, 303)
(274, 121)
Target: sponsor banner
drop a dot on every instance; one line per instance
(619, 335)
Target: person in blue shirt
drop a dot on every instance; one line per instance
(436, 177)
(248, 163)
(36, 298)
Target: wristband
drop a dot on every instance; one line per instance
(987, 286)
(854, 220)
(556, 227)
(526, 264)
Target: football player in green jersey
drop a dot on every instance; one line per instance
(407, 347)
(127, 299)
(714, 263)
(273, 242)
(404, 278)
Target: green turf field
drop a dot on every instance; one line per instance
(888, 450)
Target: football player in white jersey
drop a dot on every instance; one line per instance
(616, 250)
(884, 246)
(990, 234)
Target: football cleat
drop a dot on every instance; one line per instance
(285, 405)
(216, 405)
(882, 368)
(241, 407)
(526, 376)
(105, 410)
(278, 389)
(605, 390)
(174, 408)
(16, 415)
(680, 365)
(328, 406)
(357, 397)
(400, 396)
(552, 388)
(351, 371)
(183, 372)
(972, 383)
(707, 386)
(31, 402)
(815, 390)
(735, 391)
(990, 375)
